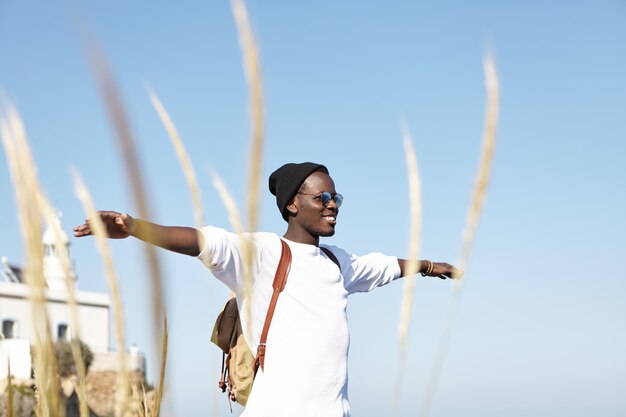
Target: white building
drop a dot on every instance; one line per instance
(18, 333)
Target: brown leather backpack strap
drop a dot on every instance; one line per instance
(280, 279)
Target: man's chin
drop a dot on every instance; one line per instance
(327, 233)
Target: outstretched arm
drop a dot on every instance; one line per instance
(432, 269)
(185, 240)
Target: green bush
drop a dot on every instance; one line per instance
(65, 359)
(23, 401)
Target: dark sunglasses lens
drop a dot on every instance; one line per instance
(326, 197)
(338, 200)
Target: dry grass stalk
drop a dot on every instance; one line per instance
(235, 221)
(27, 191)
(412, 266)
(183, 158)
(61, 252)
(229, 203)
(9, 391)
(140, 401)
(156, 410)
(113, 102)
(477, 202)
(145, 401)
(415, 234)
(252, 69)
(99, 232)
(486, 161)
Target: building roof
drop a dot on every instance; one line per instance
(21, 291)
(10, 272)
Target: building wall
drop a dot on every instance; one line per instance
(110, 361)
(93, 314)
(93, 323)
(16, 353)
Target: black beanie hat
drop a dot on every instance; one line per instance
(286, 181)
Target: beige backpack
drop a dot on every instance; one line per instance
(239, 365)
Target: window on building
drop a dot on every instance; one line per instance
(9, 329)
(64, 332)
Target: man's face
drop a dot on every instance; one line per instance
(311, 215)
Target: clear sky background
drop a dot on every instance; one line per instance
(542, 323)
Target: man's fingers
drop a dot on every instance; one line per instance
(446, 275)
(82, 230)
(444, 270)
(122, 222)
(110, 218)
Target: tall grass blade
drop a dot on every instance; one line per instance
(412, 266)
(252, 67)
(183, 158)
(415, 235)
(229, 202)
(476, 205)
(100, 234)
(145, 401)
(156, 410)
(235, 221)
(486, 162)
(10, 412)
(27, 190)
(55, 225)
(114, 105)
(252, 70)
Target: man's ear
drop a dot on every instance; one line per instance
(292, 208)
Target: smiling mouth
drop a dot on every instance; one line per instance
(330, 219)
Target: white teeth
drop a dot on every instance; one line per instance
(331, 218)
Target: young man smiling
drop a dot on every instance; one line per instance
(306, 362)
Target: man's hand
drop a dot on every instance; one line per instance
(433, 269)
(443, 270)
(118, 226)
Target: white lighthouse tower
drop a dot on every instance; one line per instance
(56, 249)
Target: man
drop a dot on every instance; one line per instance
(305, 372)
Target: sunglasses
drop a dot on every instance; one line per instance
(326, 197)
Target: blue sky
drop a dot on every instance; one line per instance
(541, 329)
